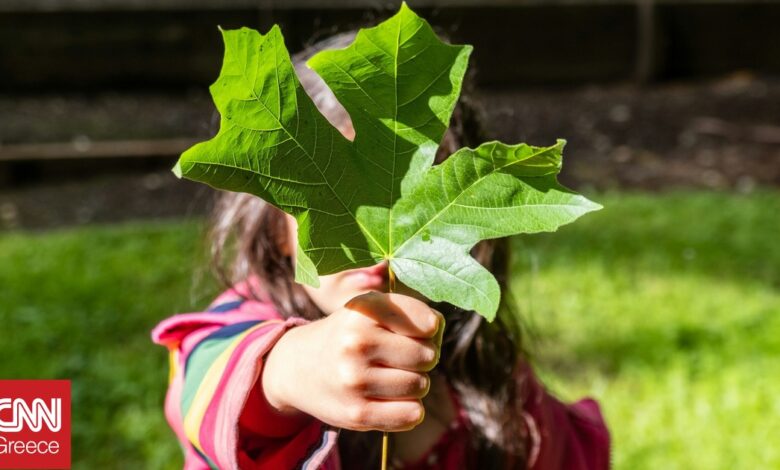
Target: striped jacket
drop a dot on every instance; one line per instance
(222, 419)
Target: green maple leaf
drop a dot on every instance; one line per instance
(378, 197)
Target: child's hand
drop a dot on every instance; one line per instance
(363, 367)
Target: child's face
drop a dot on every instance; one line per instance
(336, 289)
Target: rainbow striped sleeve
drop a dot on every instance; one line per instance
(221, 361)
(214, 404)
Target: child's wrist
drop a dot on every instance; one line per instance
(275, 379)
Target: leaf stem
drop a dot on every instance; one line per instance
(384, 450)
(390, 278)
(385, 435)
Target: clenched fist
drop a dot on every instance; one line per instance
(363, 367)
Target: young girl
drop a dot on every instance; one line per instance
(277, 375)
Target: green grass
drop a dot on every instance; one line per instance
(664, 307)
(667, 310)
(80, 305)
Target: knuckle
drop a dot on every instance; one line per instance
(359, 385)
(351, 378)
(358, 415)
(354, 344)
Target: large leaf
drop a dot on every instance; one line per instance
(378, 197)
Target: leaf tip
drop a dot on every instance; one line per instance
(177, 170)
(275, 29)
(404, 9)
(587, 205)
(490, 310)
(312, 61)
(224, 32)
(595, 206)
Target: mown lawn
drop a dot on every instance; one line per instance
(664, 307)
(667, 309)
(79, 305)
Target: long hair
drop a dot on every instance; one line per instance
(481, 360)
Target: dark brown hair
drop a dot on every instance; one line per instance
(481, 360)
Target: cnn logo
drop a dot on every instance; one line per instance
(35, 424)
(34, 416)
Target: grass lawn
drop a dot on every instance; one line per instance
(667, 309)
(664, 307)
(79, 305)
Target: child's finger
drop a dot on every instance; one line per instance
(396, 384)
(403, 352)
(386, 415)
(398, 313)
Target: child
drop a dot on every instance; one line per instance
(277, 375)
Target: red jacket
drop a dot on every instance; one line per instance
(217, 409)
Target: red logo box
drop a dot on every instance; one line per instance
(34, 424)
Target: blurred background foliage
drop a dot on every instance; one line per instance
(665, 306)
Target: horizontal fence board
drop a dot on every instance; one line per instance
(548, 44)
(101, 149)
(118, 5)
